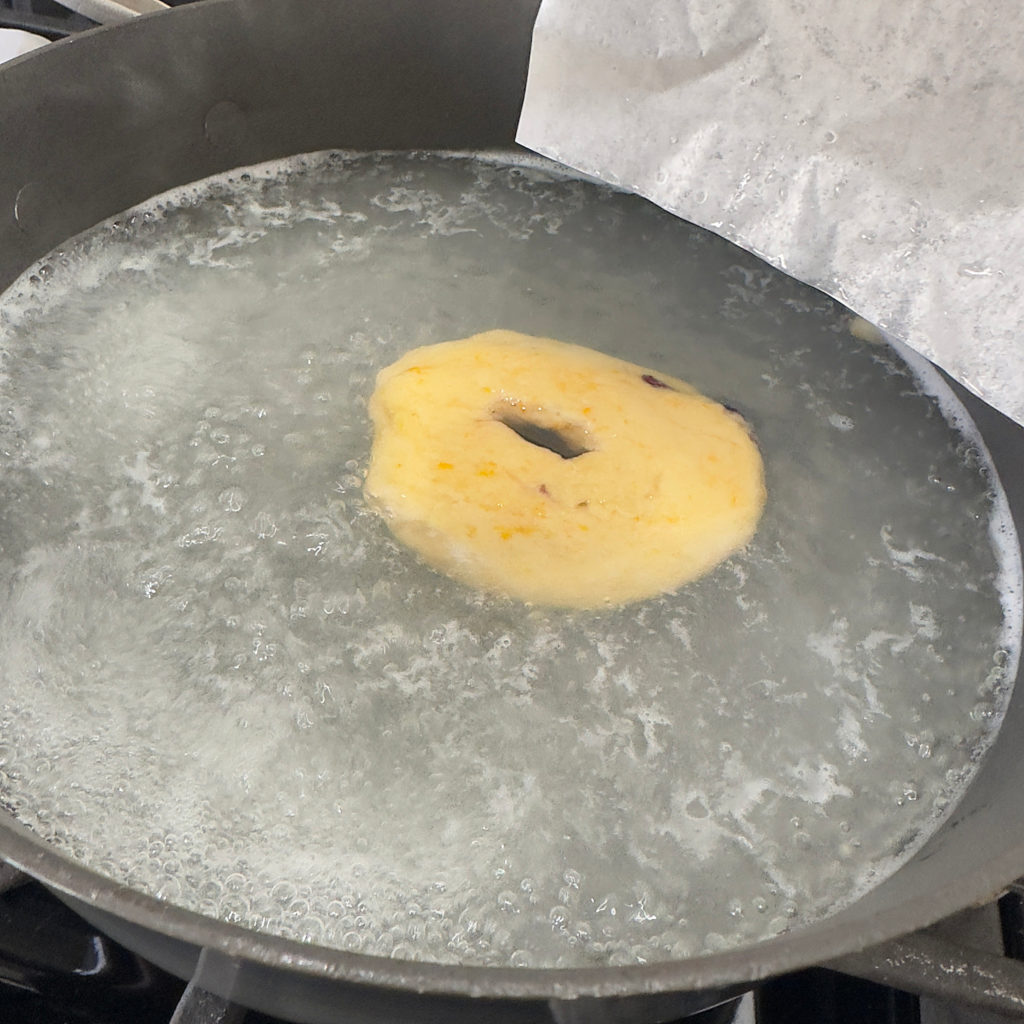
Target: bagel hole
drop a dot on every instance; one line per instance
(566, 440)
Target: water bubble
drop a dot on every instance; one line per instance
(234, 908)
(506, 901)
(621, 956)
(982, 712)
(559, 917)
(169, 889)
(297, 908)
(264, 526)
(802, 840)
(210, 889)
(232, 499)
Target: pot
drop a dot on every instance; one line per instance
(112, 117)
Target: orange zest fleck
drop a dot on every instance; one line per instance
(508, 531)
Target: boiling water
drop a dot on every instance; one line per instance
(226, 685)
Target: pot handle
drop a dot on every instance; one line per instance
(109, 12)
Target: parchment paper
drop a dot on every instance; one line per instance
(872, 149)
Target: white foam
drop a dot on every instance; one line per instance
(1002, 530)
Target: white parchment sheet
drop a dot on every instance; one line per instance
(874, 149)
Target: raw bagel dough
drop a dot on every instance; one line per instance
(655, 483)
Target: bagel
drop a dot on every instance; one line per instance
(555, 474)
